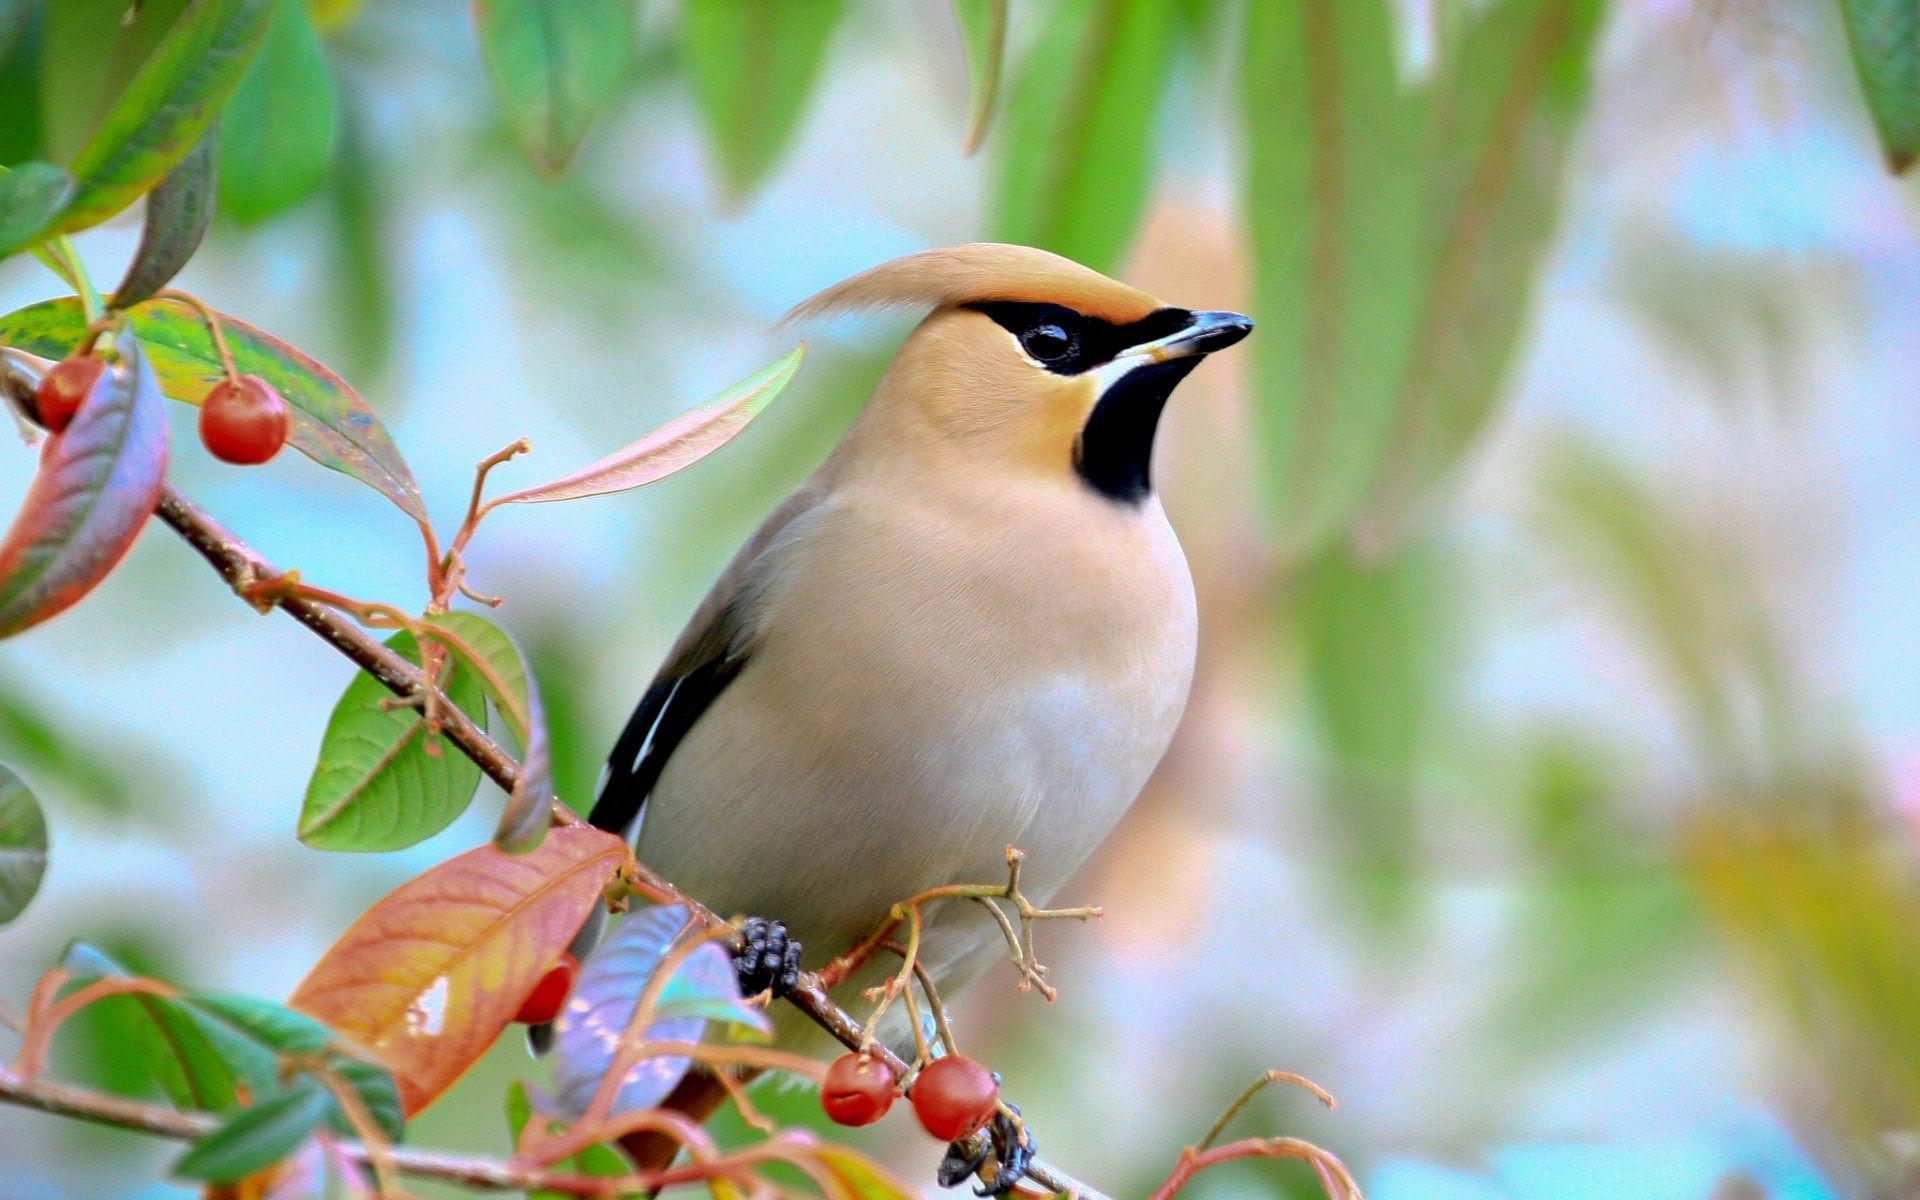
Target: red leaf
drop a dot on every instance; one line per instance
(97, 485)
(428, 977)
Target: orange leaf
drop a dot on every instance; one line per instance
(428, 977)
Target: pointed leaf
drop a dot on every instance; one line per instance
(983, 30)
(428, 977)
(280, 1031)
(330, 423)
(1507, 104)
(32, 194)
(277, 133)
(377, 786)
(253, 1140)
(554, 67)
(1333, 203)
(678, 444)
(588, 1030)
(1079, 144)
(1885, 38)
(751, 64)
(198, 1060)
(23, 846)
(179, 209)
(97, 484)
(503, 673)
(167, 108)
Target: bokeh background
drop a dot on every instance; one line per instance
(1551, 784)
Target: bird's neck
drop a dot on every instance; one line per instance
(1114, 453)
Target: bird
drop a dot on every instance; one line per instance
(971, 628)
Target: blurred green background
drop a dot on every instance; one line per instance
(1551, 783)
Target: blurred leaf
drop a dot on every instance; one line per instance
(678, 444)
(1506, 105)
(428, 977)
(329, 15)
(554, 67)
(167, 107)
(1885, 38)
(498, 664)
(57, 748)
(330, 423)
(358, 197)
(857, 1176)
(376, 785)
(277, 133)
(31, 196)
(179, 208)
(253, 1140)
(97, 484)
(751, 65)
(598, 1159)
(1372, 640)
(1079, 145)
(91, 50)
(21, 134)
(1333, 209)
(588, 1030)
(983, 30)
(1397, 235)
(23, 845)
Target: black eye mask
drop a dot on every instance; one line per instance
(1068, 343)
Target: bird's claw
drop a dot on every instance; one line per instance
(768, 960)
(1009, 1146)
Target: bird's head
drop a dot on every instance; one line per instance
(1030, 361)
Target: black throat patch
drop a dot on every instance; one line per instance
(1114, 450)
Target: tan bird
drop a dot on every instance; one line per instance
(972, 628)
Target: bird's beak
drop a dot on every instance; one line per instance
(1209, 331)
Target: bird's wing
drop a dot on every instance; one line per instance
(707, 656)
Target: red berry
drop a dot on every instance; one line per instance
(858, 1090)
(64, 387)
(243, 421)
(548, 996)
(953, 1097)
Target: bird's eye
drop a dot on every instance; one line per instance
(1048, 343)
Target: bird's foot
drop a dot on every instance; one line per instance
(768, 960)
(1001, 1164)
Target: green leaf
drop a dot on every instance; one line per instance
(22, 134)
(179, 208)
(1372, 638)
(197, 1059)
(97, 484)
(257, 1138)
(277, 1031)
(277, 133)
(376, 787)
(358, 196)
(1079, 146)
(1885, 38)
(502, 672)
(1333, 199)
(751, 65)
(167, 108)
(1507, 103)
(554, 67)
(23, 846)
(330, 423)
(983, 31)
(31, 196)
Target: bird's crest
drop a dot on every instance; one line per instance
(976, 273)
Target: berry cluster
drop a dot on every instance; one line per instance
(243, 420)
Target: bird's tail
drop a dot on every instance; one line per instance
(540, 1037)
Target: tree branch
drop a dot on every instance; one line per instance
(239, 565)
